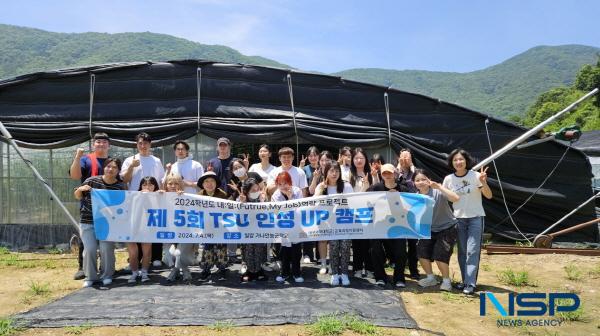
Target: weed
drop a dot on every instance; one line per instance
(573, 272)
(327, 325)
(39, 288)
(595, 272)
(359, 326)
(571, 316)
(221, 326)
(486, 267)
(512, 278)
(4, 250)
(8, 327)
(55, 250)
(523, 244)
(428, 301)
(78, 330)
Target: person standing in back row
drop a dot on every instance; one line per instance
(83, 167)
(406, 171)
(134, 169)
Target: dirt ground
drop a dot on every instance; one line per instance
(29, 280)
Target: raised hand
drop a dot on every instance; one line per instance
(84, 188)
(483, 175)
(209, 167)
(302, 162)
(434, 185)
(233, 186)
(136, 161)
(79, 153)
(168, 167)
(374, 170)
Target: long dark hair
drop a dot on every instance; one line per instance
(339, 182)
(149, 179)
(247, 186)
(366, 170)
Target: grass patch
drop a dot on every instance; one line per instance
(55, 250)
(572, 316)
(221, 326)
(39, 288)
(4, 250)
(595, 272)
(8, 327)
(13, 260)
(428, 301)
(524, 244)
(336, 324)
(486, 267)
(515, 278)
(78, 330)
(573, 272)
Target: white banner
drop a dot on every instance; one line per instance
(132, 216)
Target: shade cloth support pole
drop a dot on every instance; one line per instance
(291, 92)
(92, 91)
(12, 142)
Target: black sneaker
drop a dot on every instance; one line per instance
(222, 275)
(415, 276)
(79, 275)
(469, 290)
(204, 276)
(460, 286)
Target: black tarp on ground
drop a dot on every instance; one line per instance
(251, 104)
(258, 303)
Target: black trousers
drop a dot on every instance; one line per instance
(290, 256)
(412, 258)
(361, 256)
(156, 251)
(396, 248)
(308, 250)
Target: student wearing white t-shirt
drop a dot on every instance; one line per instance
(286, 157)
(189, 169)
(345, 161)
(468, 210)
(339, 250)
(135, 168)
(264, 167)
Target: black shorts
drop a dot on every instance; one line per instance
(439, 247)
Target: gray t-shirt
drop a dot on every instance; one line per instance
(442, 214)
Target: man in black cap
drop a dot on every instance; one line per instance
(220, 164)
(85, 166)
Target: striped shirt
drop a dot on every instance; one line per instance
(96, 182)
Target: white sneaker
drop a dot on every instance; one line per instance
(133, 278)
(280, 279)
(144, 275)
(299, 279)
(323, 270)
(87, 283)
(127, 268)
(380, 283)
(106, 281)
(306, 260)
(345, 280)
(400, 284)
(156, 263)
(335, 280)
(446, 286)
(243, 268)
(363, 273)
(428, 282)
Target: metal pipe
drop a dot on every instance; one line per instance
(570, 213)
(532, 131)
(10, 140)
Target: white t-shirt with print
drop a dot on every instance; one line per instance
(298, 176)
(149, 166)
(468, 187)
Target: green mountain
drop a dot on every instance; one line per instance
(24, 50)
(506, 89)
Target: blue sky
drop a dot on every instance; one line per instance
(331, 36)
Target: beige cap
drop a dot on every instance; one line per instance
(388, 168)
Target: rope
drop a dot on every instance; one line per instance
(291, 92)
(487, 132)
(389, 128)
(198, 87)
(530, 196)
(92, 89)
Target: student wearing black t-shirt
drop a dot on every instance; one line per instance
(397, 247)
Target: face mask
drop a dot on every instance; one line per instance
(254, 195)
(239, 172)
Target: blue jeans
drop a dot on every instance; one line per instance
(470, 231)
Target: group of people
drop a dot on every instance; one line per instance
(457, 214)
